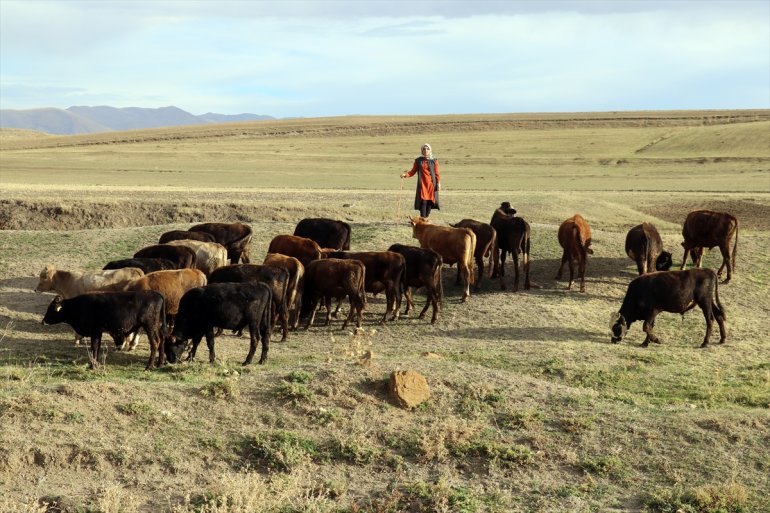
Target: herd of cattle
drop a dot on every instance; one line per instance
(182, 289)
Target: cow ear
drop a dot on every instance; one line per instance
(614, 316)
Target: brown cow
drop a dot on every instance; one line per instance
(172, 284)
(183, 257)
(486, 240)
(706, 229)
(455, 245)
(235, 237)
(384, 271)
(304, 250)
(185, 235)
(645, 247)
(296, 279)
(423, 269)
(575, 238)
(334, 278)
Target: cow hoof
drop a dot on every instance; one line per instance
(704, 345)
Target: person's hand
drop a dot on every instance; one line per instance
(403, 175)
(438, 186)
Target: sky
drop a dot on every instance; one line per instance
(397, 57)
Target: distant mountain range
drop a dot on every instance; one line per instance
(86, 120)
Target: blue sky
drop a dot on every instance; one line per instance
(333, 58)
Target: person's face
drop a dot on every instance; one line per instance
(425, 151)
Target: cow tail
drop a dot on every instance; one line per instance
(243, 242)
(308, 291)
(578, 239)
(470, 260)
(437, 277)
(491, 251)
(267, 317)
(346, 244)
(735, 244)
(718, 305)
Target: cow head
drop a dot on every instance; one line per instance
(45, 283)
(55, 312)
(618, 327)
(506, 208)
(664, 261)
(174, 348)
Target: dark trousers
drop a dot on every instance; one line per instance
(425, 207)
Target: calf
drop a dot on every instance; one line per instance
(644, 246)
(328, 233)
(148, 265)
(296, 279)
(303, 249)
(384, 271)
(182, 257)
(334, 278)
(275, 278)
(513, 236)
(575, 239)
(208, 255)
(230, 306)
(455, 245)
(116, 313)
(235, 237)
(423, 269)
(486, 241)
(706, 229)
(669, 291)
(185, 235)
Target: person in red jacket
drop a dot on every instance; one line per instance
(429, 183)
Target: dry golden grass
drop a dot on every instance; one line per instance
(532, 408)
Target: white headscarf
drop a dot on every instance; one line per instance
(430, 151)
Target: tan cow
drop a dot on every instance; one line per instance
(455, 245)
(208, 255)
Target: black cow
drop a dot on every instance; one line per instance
(235, 237)
(148, 265)
(645, 247)
(231, 306)
(669, 291)
(117, 313)
(328, 233)
(423, 269)
(185, 235)
(182, 257)
(275, 278)
(384, 270)
(513, 236)
(334, 278)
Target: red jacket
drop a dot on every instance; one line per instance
(426, 188)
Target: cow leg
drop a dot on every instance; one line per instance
(133, 341)
(253, 341)
(154, 347)
(457, 280)
(502, 263)
(527, 283)
(93, 356)
(516, 271)
(467, 275)
(350, 313)
(195, 341)
(725, 263)
(394, 298)
(641, 265)
(582, 270)
(697, 257)
(571, 273)
(480, 265)
(328, 303)
(495, 271)
(720, 317)
(647, 327)
(564, 257)
(210, 343)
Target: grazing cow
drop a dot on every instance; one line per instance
(423, 269)
(513, 236)
(231, 306)
(575, 239)
(455, 245)
(235, 237)
(486, 240)
(275, 278)
(334, 278)
(185, 235)
(173, 284)
(644, 246)
(669, 291)
(706, 229)
(384, 271)
(182, 257)
(296, 279)
(208, 255)
(303, 249)
(69, 284)
(147, 265)
(116, 313)
(328, 233)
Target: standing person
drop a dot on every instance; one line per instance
(429, 183)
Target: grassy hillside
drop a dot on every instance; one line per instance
(532, 408)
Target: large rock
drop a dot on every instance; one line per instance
(408, 388)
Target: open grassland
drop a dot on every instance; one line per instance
(532, 408)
